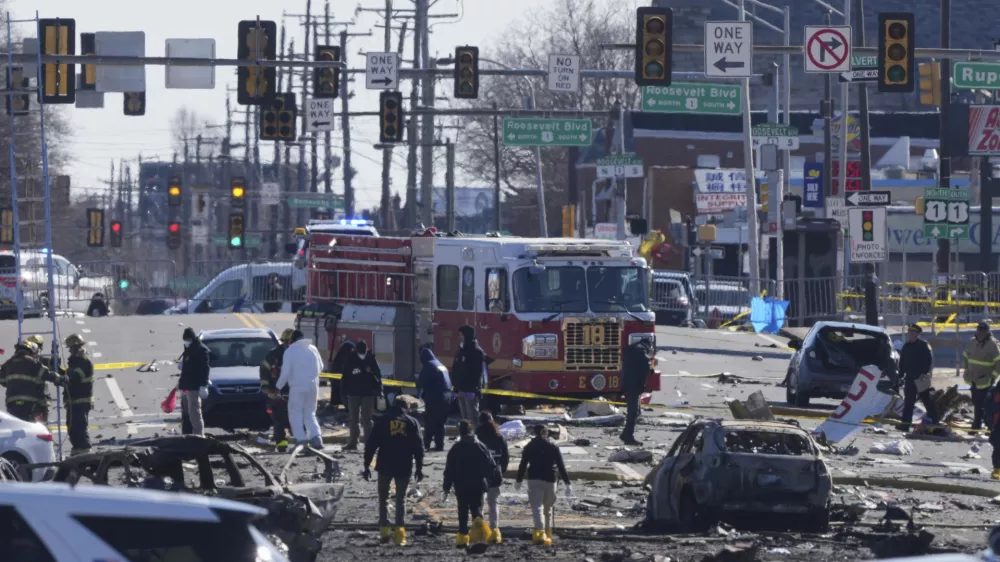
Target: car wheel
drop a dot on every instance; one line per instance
(18, 461)
(694, 518)
(793, 395)
(819, 521)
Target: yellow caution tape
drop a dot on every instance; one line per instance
(116, 366)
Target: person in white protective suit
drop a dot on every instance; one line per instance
(300, 369)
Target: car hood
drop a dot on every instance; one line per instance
(234, 375)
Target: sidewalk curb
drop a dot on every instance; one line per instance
(919, 485)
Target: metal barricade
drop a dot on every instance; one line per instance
(139, 286)
(723, 301)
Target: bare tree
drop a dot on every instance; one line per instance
(185, 126)
(572, 27)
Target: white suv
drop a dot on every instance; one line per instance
(60, 523)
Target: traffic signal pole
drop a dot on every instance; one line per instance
(753, 233)
(871, 279)
(944, 153)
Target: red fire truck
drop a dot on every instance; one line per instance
(554, 314)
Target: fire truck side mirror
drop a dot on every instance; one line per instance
(291, 247)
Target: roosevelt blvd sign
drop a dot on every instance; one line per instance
(785, 136)
(619, 166)
(546, 132)
(693, 97)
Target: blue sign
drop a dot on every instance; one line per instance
(812, 185)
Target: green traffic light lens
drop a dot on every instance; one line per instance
(235, 241)
(896, 52)
(123, 284)
(896, 73)
(654, 70)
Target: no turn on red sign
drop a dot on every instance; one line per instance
(828, 48)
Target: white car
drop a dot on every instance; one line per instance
(73, 288)
(61, 523)
(24, 443)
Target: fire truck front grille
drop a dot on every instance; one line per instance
(592, 345)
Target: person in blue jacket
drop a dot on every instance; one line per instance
(434, 386)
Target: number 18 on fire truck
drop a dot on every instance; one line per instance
(554, 314)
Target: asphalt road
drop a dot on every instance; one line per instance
(127, 407)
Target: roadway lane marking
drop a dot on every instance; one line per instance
(86, 330)
(97, 354)
(772, 340)
(250, 320)
(119, 398)
(246, 322)
(79, 321)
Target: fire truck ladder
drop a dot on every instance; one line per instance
(29, 185)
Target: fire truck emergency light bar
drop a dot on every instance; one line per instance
(576, 249)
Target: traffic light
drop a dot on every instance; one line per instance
(653, 46)
(867, 226)
(174, 235)
(237, 192)
(57, 37)
(116, 234)
(390, 117)
(467, 73)
(134, 103)
(277, 118)
(7, 225)
(569, 221)
(174, 192)
(88, 72)
(235, 230)
(256, 85)
(896, 54)
(17, 102)
(930, 83)
(95, 228)
(326, 81)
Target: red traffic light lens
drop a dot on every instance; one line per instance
(174, 227)
(896, 31)
(116, 227)
(655, 25)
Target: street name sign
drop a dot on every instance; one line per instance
(828, 48)
(785, 137)
(546, 132)
(864, 68)
(564, 73)
(693, 97)
(381, 71)
(976, 75)
(869, 198)
(729, 49)
(619, 166)
(869, 235)
(946, 213)
(315, 201)
(319, 114)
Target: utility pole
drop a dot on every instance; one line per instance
(327, 147)
(826, 109)
(410, 221)
(384, 203)
(944, 171)
(276, 170)
(427, 121)
(751, 182)
(314, 140)
(287, 182)
(845, 105)
(345, 125)
(449, 183)
(871, 279)
(496, 169)
(300, 214)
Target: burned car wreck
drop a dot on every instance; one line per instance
(727, 470)
(298, 514)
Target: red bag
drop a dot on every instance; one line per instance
(169, 403)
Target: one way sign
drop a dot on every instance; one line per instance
(381, 71)
(728, 49)
(869, 199)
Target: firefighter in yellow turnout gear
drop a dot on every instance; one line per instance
(982, 367)
(79, 394)
(24, 377)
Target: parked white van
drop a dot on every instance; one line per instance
(254, 287)
(73, 287)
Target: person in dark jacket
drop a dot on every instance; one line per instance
(193, 382)
(277, 401)
(469, 469)
(541, 459)
(635, 371)
(434, 386)
(489, 434)
(916, 365)
(337, 364)
(396, 438)
(469, 374)
(362, 383)
(79, 392)
(24, 377)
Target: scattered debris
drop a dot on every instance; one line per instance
(638, 456)
(599, 407)
(757, 358)
(897, 447)
(930, 507)
(912, 544)
(755, 407)
(736, 552)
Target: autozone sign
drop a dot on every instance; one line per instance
(984, 130)
(712, 203)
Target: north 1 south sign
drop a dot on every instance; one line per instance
(546, 132)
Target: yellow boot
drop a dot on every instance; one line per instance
(385, 533)
(996, 474)
(548, 536)
(538, 538)
(480, 531)
(495, 537)
(461, 540)
(399, 537)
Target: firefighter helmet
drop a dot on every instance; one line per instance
(74, 340)
(286, 336)
(37, 339)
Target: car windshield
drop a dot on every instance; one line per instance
(555, 289)
(617, 289)
(238, 352)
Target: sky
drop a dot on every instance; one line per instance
(103, 135)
